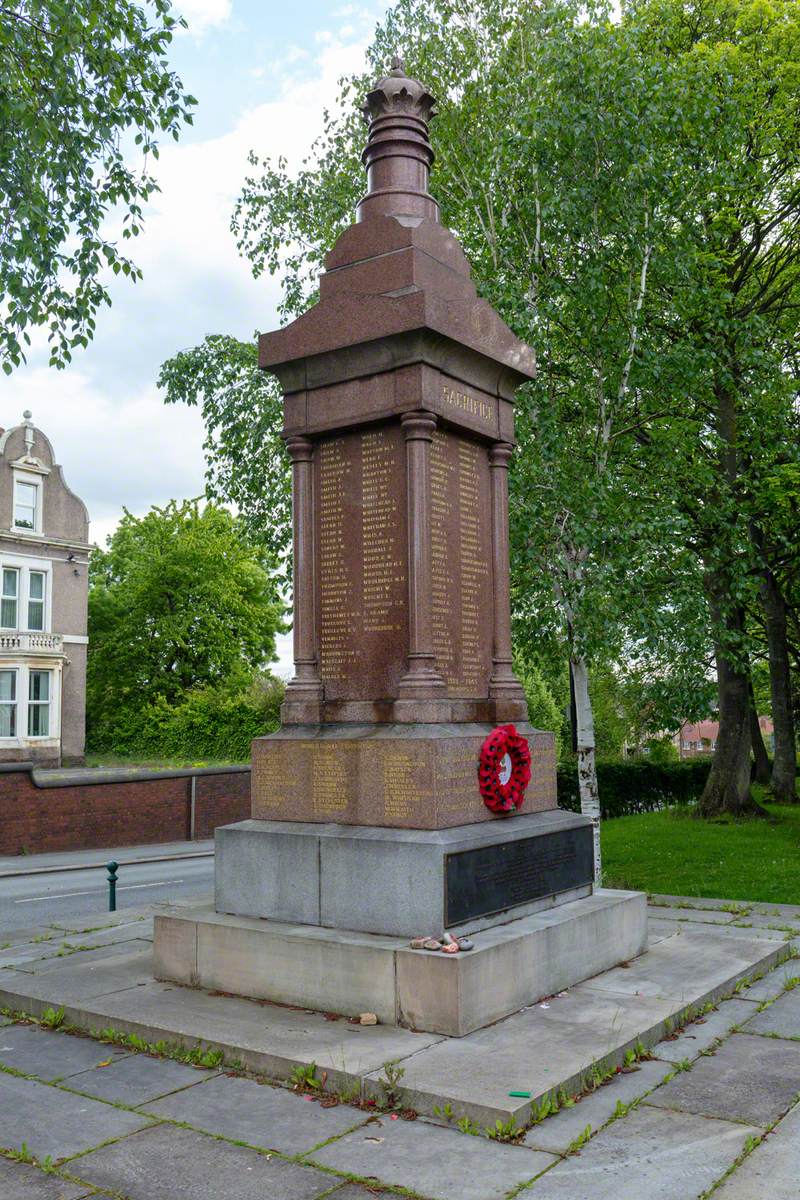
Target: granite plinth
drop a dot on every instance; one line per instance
(401, 882)
(513, 964)
(414, 776)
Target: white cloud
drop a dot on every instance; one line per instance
(204, 14)
(119, 445)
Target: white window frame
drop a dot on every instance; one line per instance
(13, 671)
(42, 600)
(7, 566)
(23, 670)
(24, 564)
(34, 704)
(34, 480)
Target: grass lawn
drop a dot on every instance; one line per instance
(674, 852)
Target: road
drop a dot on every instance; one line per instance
(62, 896)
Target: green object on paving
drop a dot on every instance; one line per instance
(675, 853)
(524, 1095)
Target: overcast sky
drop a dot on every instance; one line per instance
(262, 71)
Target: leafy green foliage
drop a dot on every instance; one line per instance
(637, 786)
(82, 82)
(209, 723)
(182, 612)
(241, 409)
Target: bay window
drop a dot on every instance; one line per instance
(9, 597)
(39, 703)
(8, 704)
(36, 584)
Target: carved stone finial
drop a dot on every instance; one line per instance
(26, 416)
(398, 154)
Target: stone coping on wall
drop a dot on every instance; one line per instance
(51, 777)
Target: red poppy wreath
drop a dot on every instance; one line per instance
(504, 770)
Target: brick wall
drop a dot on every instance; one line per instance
(44, 810)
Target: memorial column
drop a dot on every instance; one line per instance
(304, 691)
(422, 680)
(503, 684)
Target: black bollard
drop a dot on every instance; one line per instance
(112, 869)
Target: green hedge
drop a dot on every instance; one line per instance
(209, 723)
(636, 787)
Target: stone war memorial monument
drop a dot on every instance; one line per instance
(405, 794)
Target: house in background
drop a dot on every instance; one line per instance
(44, 555)
(696, 739)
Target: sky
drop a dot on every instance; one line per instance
(262, 71)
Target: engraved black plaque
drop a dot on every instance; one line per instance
(492, 878)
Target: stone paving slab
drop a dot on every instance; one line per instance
(439, 1163)
(165, 1163)
(772, 1170)
(774, 921)
(51, 1055)
(658, 900)
(19, 1181)
(270, 1118)
(773, 983)
(71, 983)
(57, 1123)
(267, 1038)
(537, 1050)
(782, 1017)
(675, 925)
(680, 968)
(708, 916)
(750, 1079)
(137, 1079)
(650, 1154)
(557, 1133)
(701, 1034)
(84, 959)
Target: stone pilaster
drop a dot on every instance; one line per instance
(422, 680)
(504, 687)
(304, 691)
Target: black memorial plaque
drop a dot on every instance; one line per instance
(492, 878)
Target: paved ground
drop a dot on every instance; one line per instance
(715, 1110)
(41, 888)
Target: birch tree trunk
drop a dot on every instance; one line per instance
(587, 764)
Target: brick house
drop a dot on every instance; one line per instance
(694, 739)
(44, 549)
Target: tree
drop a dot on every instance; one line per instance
(81, 83)
(245, 462)
(732, 316)
(179, 600)
(591, 170)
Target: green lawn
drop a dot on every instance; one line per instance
(675, 852)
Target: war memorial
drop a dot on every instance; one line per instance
(405, 795)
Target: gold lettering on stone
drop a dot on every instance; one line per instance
(362, 563)
(338, 617)
(457, 775)
(329, 780)
(461, 563)
(382, 558)
(468, 404)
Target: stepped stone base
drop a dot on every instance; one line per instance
(513, 964)
(402, 882)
